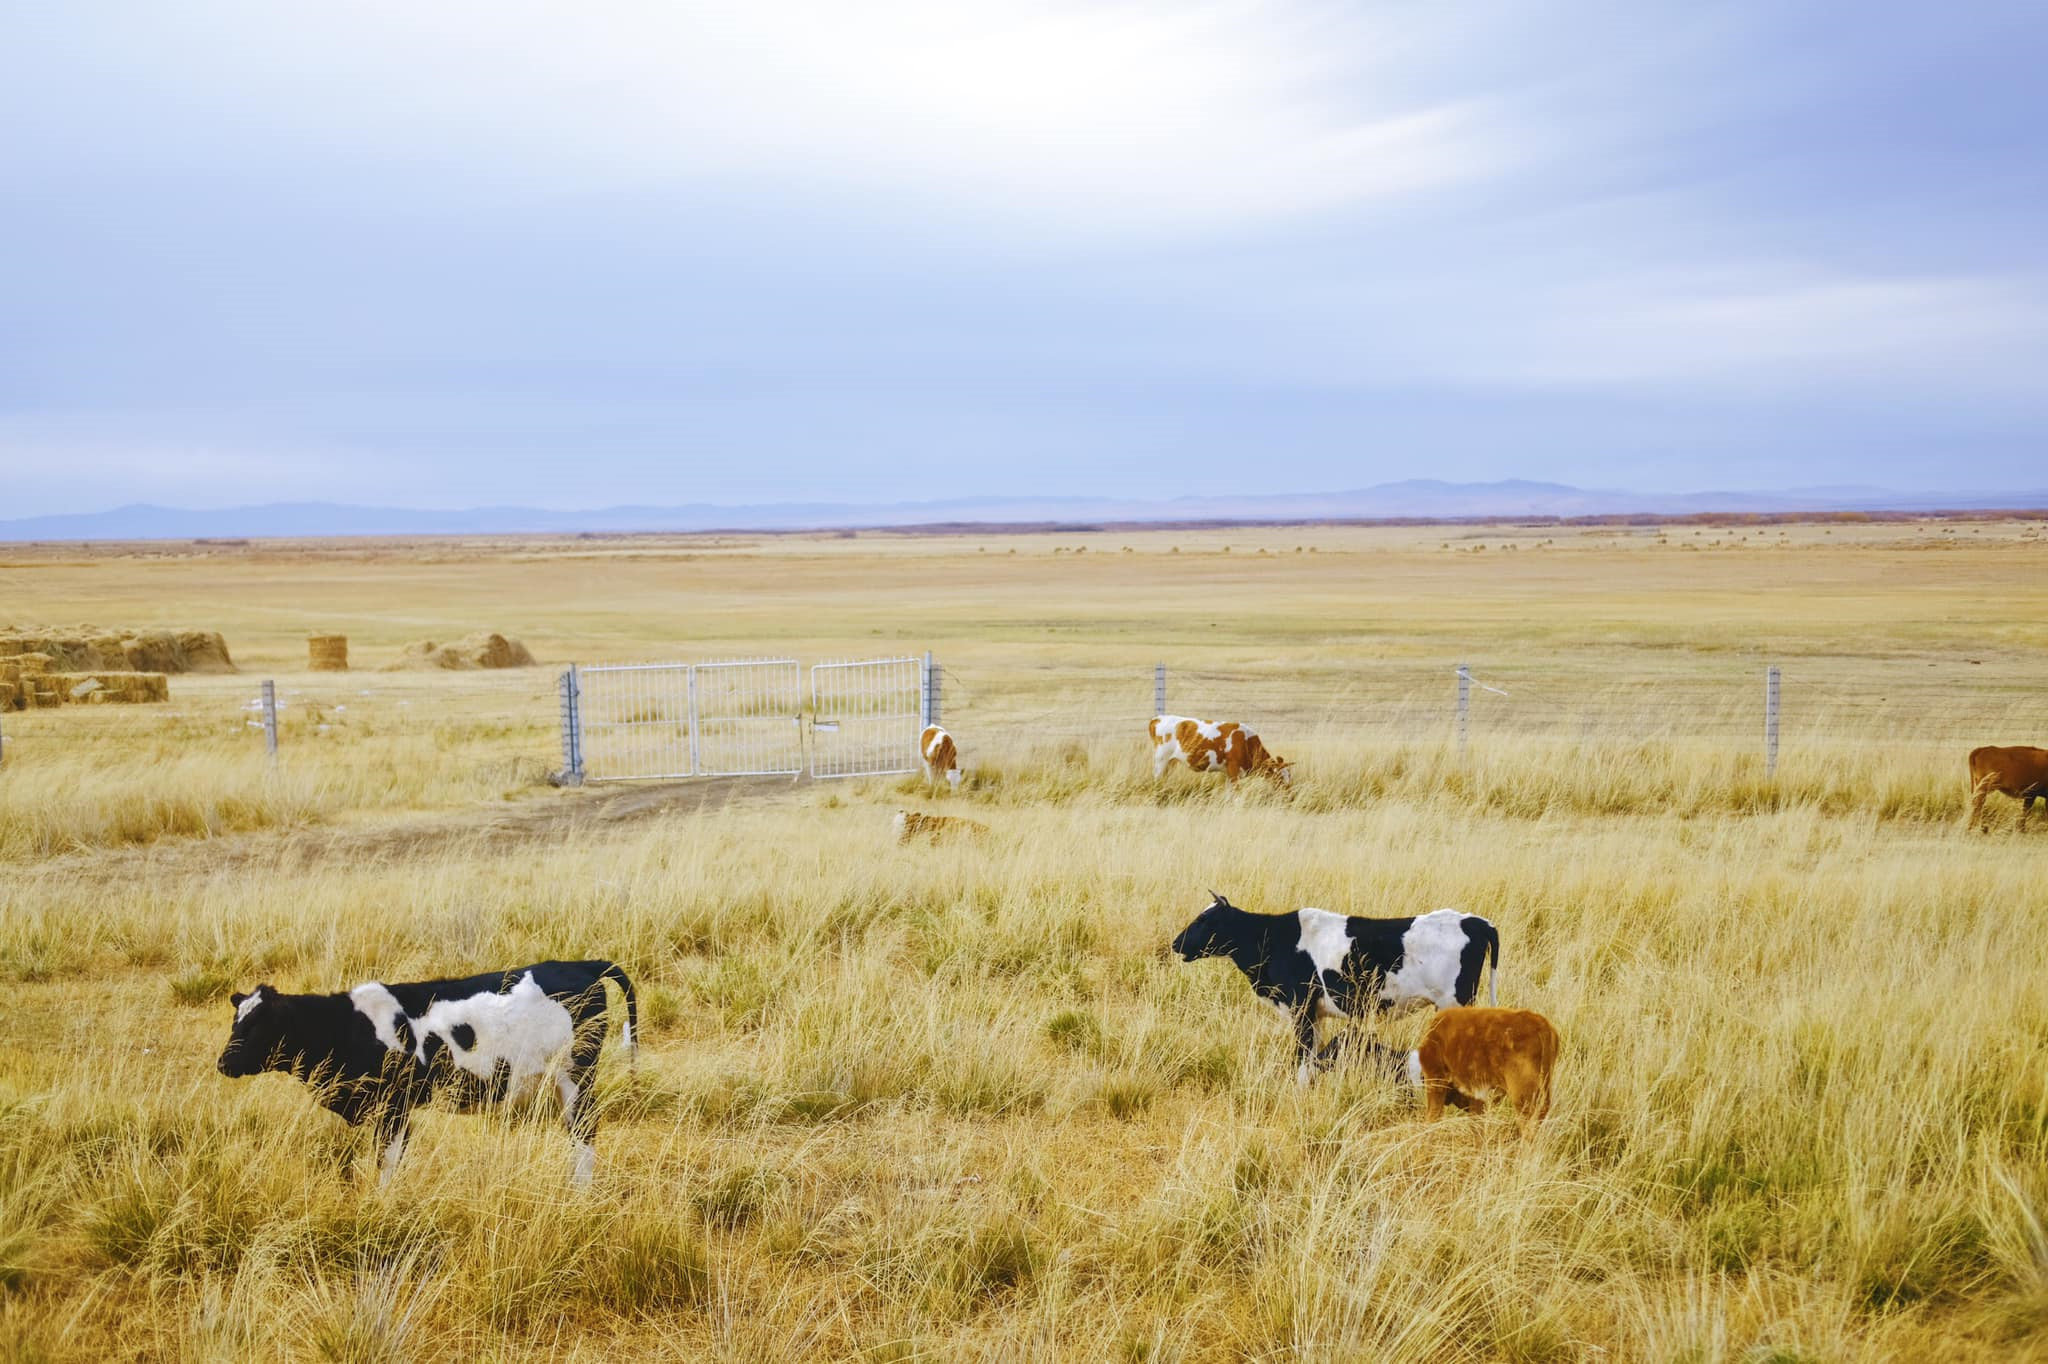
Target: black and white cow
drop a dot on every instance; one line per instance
(376, 1052)
(1313, 964)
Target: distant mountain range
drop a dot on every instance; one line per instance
(1423, 498)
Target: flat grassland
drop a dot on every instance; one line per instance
(910, 1102)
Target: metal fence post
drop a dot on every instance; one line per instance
(1464, 706)
(572, 728)
(931, 690)
(270, 718)
(1159, 689)
(1770, 722)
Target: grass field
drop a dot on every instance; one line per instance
(911, 1103)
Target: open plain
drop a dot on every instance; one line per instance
(937, 1103)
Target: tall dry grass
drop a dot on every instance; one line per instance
(901, 1102)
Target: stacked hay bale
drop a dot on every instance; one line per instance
(45, 670)
(86, 648)
(99, 688)
(327, 653)
(31, 676)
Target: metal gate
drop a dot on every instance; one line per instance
(656, 721)
(866, 716)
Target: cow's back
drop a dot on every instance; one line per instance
(2013, 768)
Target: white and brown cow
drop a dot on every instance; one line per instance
(1230, 748)
(378, 1051)
(941, 758)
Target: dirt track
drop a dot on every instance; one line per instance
(545, 818)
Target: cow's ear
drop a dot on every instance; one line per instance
(236, 998)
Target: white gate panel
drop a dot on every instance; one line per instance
(866, 717)
(750, 718)
(635, 721)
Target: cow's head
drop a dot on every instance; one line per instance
(1207, 936)
(1277, 769)
(256, 1043)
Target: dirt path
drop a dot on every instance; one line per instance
(551, 818)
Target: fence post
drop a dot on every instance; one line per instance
(1159, 689)
(931, 690)
(1464, 706)
(572, 730)
(270, 718)
(1771, 723)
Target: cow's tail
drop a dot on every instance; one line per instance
(631, 1036)
(1492, 940)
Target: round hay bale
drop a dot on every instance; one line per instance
(327, 653)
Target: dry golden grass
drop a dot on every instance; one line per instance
(917, 1103)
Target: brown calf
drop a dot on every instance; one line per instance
(1472, 1054)
(911, 824)
(2019, 772)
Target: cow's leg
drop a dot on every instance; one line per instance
(1304, 1044)
(1434, 1092)
(1327, 1054)
(2026, 809)
(390, 1129)
(1161, 756)
(579, 1105)
(1977, 817)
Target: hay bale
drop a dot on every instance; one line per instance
(327, 653)
(33, 665)
(89, 649)
(9, 693)
(91, 687)
(483, 649)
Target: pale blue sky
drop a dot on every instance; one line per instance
(478, 251)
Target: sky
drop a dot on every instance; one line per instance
(486, 252)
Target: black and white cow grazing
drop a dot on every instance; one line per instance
(1313, 964)
(375, 1053)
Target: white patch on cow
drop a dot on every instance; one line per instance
(1415, 1069)
(1326, 939)
(1303, 1073)
(1431, 952)
(388, 1166)
(586, 1165)
(953, 777)
(896, 824)
(1210, 730)
(248, 1004)
(522, 1028)
(381, 1007)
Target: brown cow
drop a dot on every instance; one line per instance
(1474, 1054)
(2019, 772)
(1230, 747)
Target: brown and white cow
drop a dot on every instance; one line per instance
(1469, 1056)
(1230, 748)
(2019, 772)
(941, 758)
